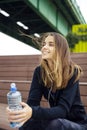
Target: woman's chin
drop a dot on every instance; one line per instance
(44, 58)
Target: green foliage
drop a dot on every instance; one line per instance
(72, 39)
(83, 38)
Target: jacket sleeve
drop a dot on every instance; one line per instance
(35, 93)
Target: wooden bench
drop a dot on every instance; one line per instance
(19, 69)
(81, 59)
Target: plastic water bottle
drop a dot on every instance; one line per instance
(14, 98)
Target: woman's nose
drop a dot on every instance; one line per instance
(45, 46)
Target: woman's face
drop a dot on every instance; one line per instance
(48, 48)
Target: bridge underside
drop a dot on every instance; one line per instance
(39, 15)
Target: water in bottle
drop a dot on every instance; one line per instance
(14, 98)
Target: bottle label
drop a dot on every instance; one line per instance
(14, 103)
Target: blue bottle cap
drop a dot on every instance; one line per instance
(13, 87)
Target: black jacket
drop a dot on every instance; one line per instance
(65, 103)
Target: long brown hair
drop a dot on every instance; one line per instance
(63, 66)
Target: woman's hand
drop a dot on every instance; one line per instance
(20, 116)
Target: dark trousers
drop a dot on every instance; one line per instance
(57, 124)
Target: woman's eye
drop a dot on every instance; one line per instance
(51, 44)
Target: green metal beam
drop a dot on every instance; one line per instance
(45, 9)
(50, 14)
(76, 11)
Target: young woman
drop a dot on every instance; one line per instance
(57, 79)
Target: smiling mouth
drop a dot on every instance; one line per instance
(45, 52)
